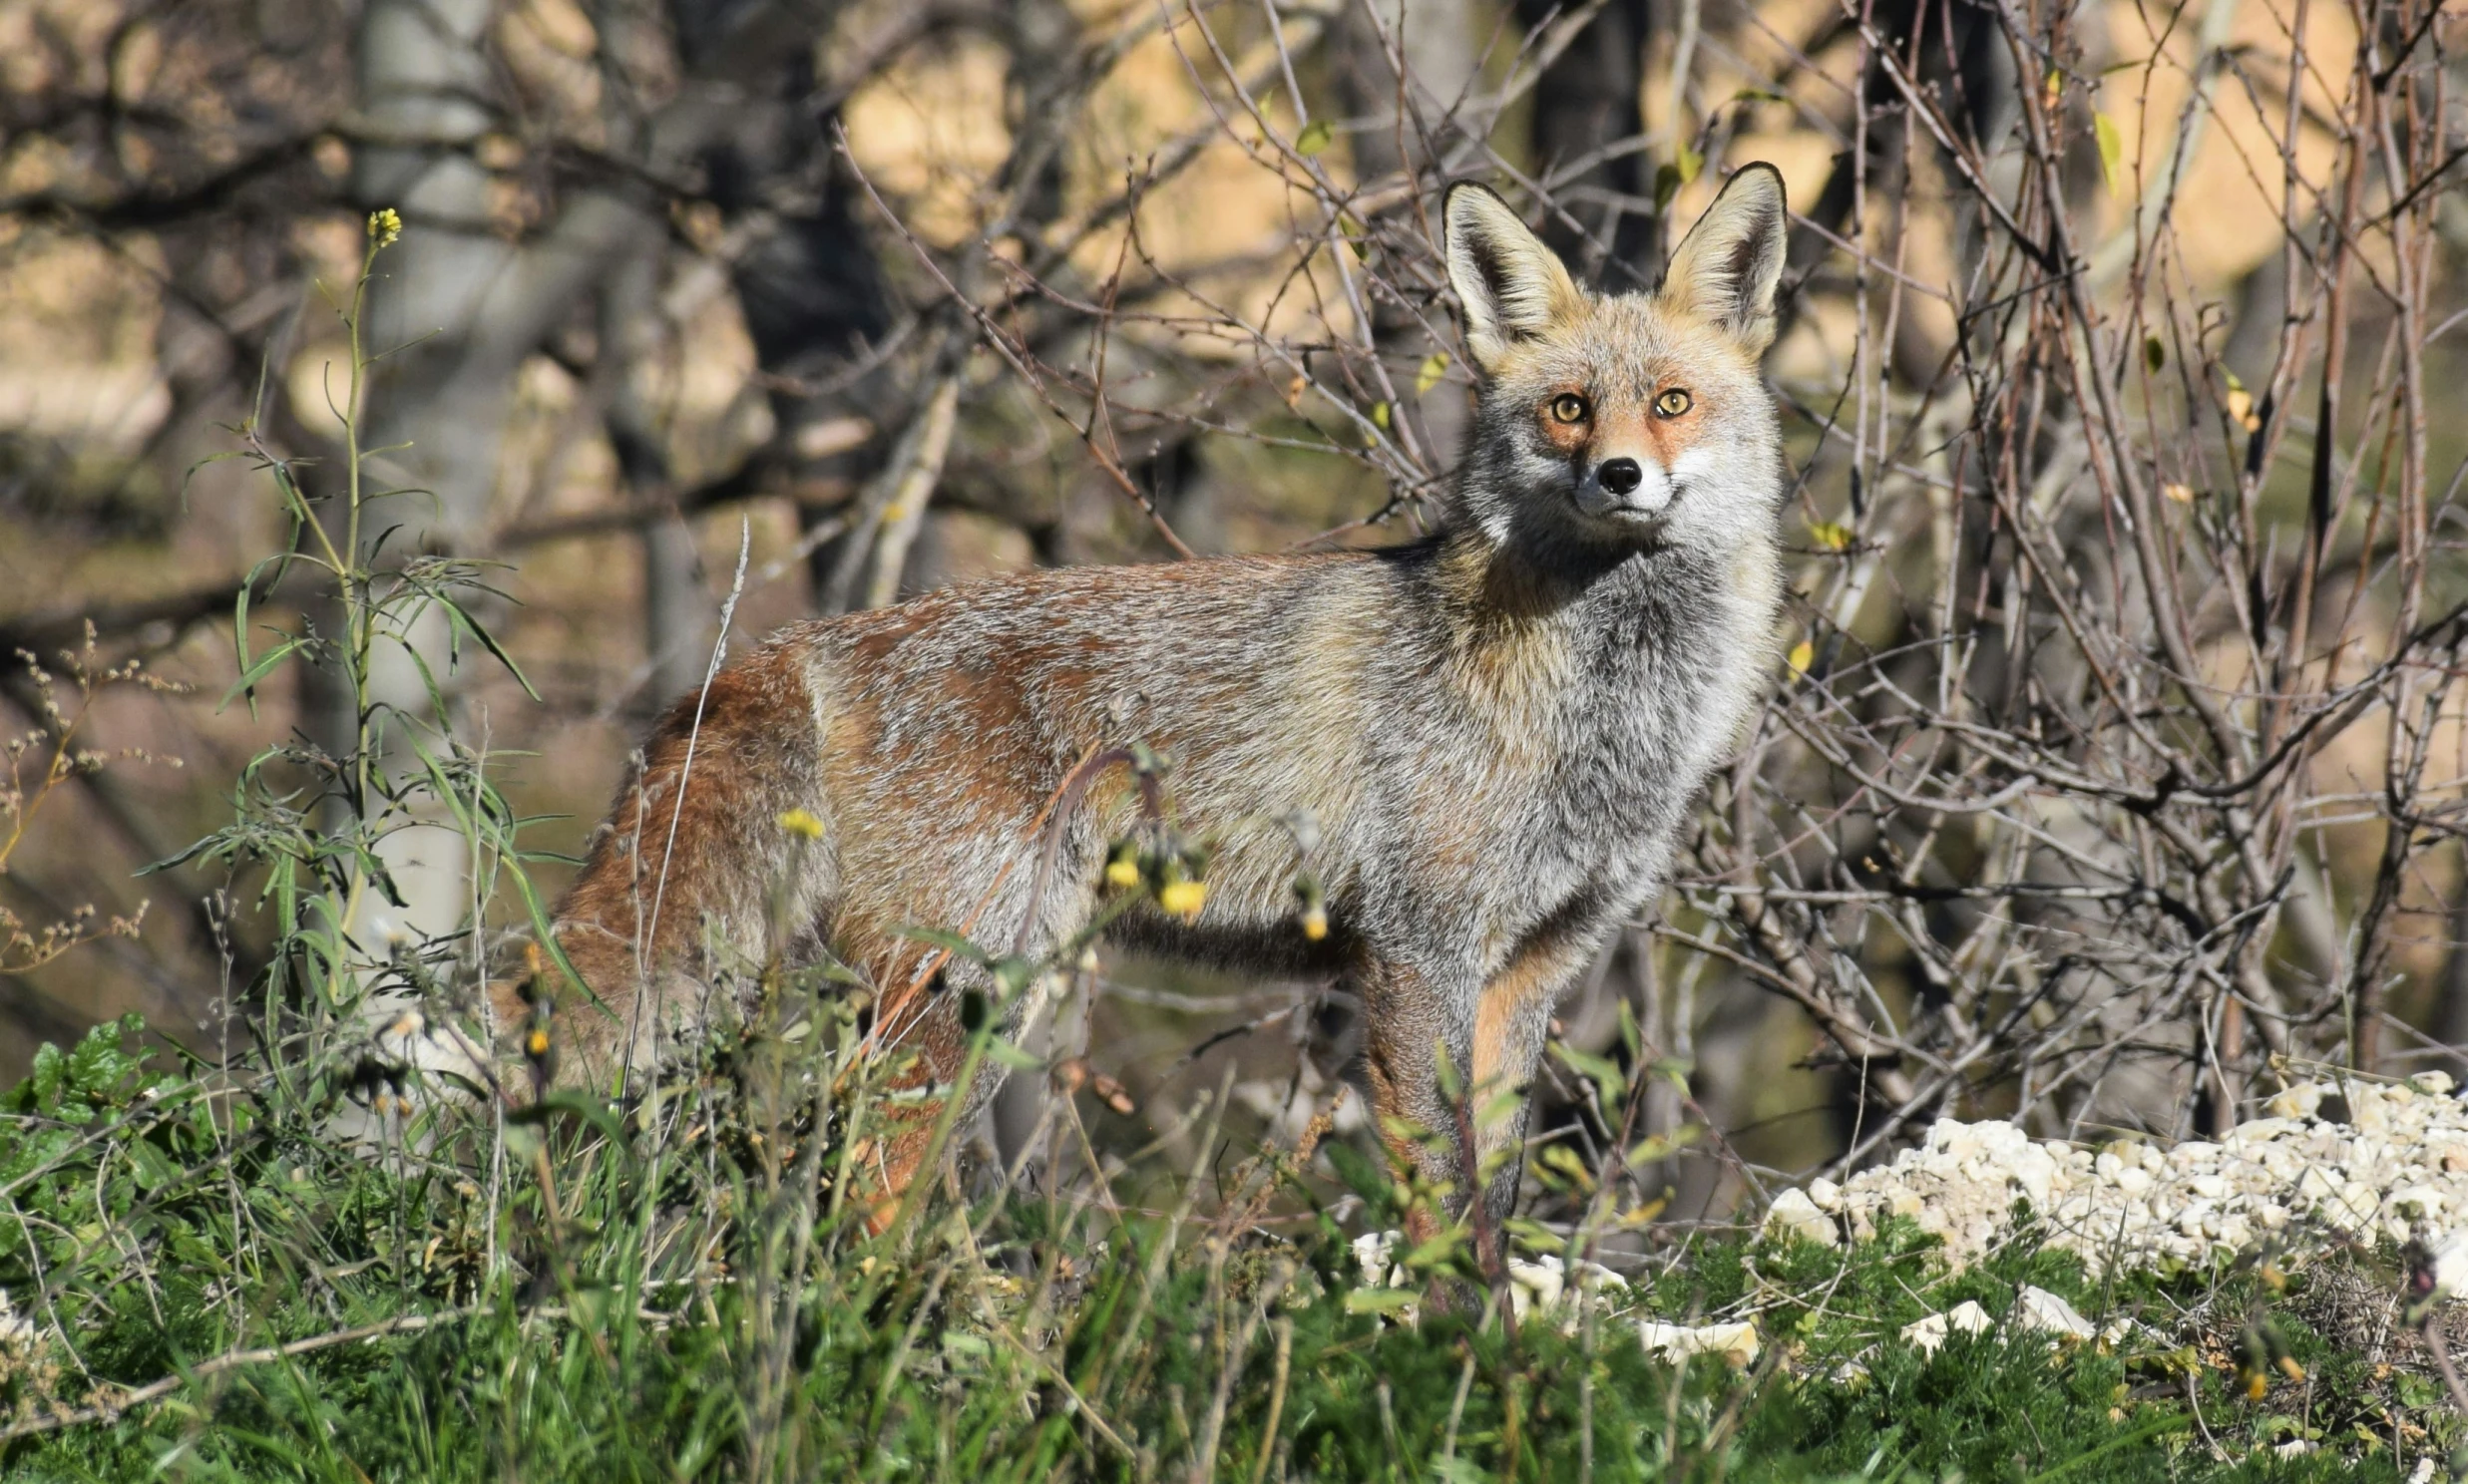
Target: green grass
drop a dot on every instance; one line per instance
(661, 1325)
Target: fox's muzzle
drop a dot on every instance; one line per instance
(1635, 488)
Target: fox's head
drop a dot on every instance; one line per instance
(1622, 420)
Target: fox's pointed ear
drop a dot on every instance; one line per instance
(1511, 286)
(1731, 262)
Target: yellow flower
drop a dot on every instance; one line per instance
(802, 822)
(1183, 898)
(384, 225)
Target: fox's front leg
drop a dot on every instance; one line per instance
(1512, 1021)
(1493, 1031)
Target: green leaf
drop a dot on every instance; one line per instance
(264, 666)
(537, 911)
(1435, 366)
(239, 639)
(2112, 154)
(1314, 137)
(1357, 236)
(1668, 181)
(1601, 1071)
(1830, 537)
(1379, 414)
(488, 640)
(1380, 1300)
(1003, 1053)
(1435, 1251)
(1502, 1106)
(1563, 1160)
(1534, 1236)
(1661, 1147)
(2155, 355)
(590, 1110)
(950, 942)
(1360, 1173)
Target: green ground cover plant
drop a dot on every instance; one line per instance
(206, 1287)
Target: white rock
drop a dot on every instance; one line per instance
(1951, 1136)
(1736, 1344)
(1533, 1286)
(2043, 1313)
(2451, 1264)
(1927, 1334)
(1371, 1252)
(1543, 1286)
(2433, 1084)
(2396, 1160)
(2300, 1102)
(1794, 1214)
(2420, 1201)
(2264, 1130)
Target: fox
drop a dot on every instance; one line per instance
(1497, 732)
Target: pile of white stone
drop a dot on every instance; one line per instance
(2344, 1159)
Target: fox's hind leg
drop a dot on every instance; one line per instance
(930, 1002)
(715, 860)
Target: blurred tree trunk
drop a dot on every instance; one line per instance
(807, 280)
(679, 615)
(1589, 98)
(2451, 993)
(424, 81)
(459, 306)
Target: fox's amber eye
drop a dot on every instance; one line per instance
(1568, 407)
(1671, 403)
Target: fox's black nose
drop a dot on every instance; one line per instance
(1621, 476)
